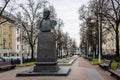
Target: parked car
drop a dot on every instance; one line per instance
(1, 59)
(77, 52)
(12, 59)
(7, 58)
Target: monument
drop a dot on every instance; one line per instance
(46, 62)
(46, 50)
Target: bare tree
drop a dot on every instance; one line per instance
(27, 18)
(83, 15)
(83, 44)
(108, 12)
(4, 6)
(58, 33)
(53, 13)
(6, 10)
(112, 15)
(65, 42)
(88, 29)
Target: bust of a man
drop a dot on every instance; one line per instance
(46, 24)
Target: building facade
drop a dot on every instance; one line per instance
(109, 46)
(11, 42)
(5, 36)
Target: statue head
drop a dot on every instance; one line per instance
(46, 24)
(46, 13)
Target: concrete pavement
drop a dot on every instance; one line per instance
(80, 70)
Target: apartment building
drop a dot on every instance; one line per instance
(109, 42)
(5, 36)
(11, 43)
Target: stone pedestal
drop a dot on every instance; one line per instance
(46, 62)
(46, 53)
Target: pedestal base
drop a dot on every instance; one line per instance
(63, 71)
(46, 68)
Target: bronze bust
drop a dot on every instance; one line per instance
(46, 24)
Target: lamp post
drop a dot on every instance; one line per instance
(21, 48)
(99, 39)
(99, 43)
(21, 42)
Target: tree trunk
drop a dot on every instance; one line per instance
(94, 50)
(101, 18)
(32, 52)
(117, 41)
(86, 49)
(67, 53)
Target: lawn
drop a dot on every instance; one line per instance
(95, 61)
(113, 64)
(25, 64)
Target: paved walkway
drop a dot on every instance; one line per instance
(80, 70)
(105, 74)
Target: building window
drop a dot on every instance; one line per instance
(17, 30)
(9, 45)
(17, 47)
(18, 39)
(22, 47)
(4, 43)
(5, 28)
(5, 54)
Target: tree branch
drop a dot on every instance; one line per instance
(26, 12)
(113, 5)
(7, 1)
(111, 24)
(35, 39)
(3, 22)
(26, 31)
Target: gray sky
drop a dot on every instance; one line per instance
(67, 10)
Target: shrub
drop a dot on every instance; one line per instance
(117, 59)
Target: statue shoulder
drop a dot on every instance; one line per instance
(39, 20)
(38, 23)
(54, 23)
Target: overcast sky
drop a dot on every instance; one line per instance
(67, 10)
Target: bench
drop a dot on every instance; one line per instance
(6, 65)
(116, 72)
(106, 64)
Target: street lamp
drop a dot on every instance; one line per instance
(21, 48)
(99, 41)
(21, 42)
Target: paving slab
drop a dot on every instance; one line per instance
(81, 69)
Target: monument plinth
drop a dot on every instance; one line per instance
(46, 53)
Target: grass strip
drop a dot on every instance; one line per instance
(25, 64)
